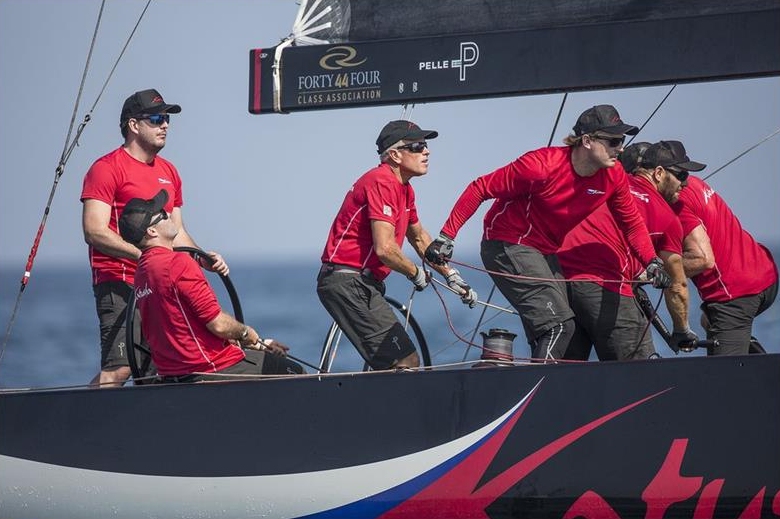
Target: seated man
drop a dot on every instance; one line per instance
(189, 334)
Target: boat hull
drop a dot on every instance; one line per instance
(623, 439)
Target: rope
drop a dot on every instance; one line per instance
(552, 280)
(483, 348)
(479, 322)
(66, 152)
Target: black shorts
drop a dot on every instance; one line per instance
(731, 322)
(541, 304)
(263, 363)
(356, 302)
(111, 298)
(255, 362)
(612, 323)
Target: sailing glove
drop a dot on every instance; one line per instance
(463, 289)
(684, 340)
(440, 250)
(420, 279)
(657, 275)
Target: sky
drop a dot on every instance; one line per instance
(265, 188)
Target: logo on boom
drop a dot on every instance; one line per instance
(340, 57)
(469, 56)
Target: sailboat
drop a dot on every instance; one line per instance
(683, 437)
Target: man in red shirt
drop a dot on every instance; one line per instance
(735, 275)
(539, 198)
(133, 170)
(191, 337)
(364, 246)
(597, 257)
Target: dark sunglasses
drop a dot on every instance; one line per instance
(156, 119)
(162, 216)
(613, 142)
(679, 174)
(414, 147)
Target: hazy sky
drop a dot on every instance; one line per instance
(265, 187)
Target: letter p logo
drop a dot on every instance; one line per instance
(469, 55)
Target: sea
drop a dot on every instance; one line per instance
(52, 339)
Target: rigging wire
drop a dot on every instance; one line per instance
(759, 143)
(652, 114)
(66, 152)
(557, 119)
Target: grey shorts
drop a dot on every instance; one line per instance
(255, 362)
(731, 322)
(612, 323)
(356, 302)
(541, 304)
(111, 299)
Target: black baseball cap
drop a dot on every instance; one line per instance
(146, 102)
(138, 214)
(605, 119)
(632, 156)
(670, 153)
(395, 131)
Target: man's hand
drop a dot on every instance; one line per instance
(463, 289)
(248, 338)
(657, 275)
(439, 251)
(420, 279)
(683, 340)
(271, 346)
(216, 263)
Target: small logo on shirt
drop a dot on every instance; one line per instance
(142, 292)
(595, 192)
(387, 210)
(708, 194)
(642, 196)
(163, 180)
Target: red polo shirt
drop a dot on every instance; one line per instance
(743, 266)
(114, 179)
(377, 195)
(176, 302)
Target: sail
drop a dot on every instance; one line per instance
(344, 53)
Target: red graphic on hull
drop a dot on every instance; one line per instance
(455, 495)
(669, 487)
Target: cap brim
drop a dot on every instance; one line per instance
(690, 165)
(621, 129)
(159, 201)
(164, 109)
(421, 134)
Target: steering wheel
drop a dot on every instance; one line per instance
(139, 358)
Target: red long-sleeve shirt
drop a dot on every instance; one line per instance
(539, 198)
